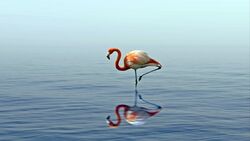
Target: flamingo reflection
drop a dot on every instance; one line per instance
(134, 115)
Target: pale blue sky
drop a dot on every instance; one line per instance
(126, 24)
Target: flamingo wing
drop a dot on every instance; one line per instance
(137, 59)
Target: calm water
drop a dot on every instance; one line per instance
(66, 95)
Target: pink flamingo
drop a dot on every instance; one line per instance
(134, 60)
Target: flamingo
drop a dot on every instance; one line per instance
(134, 115)
(134, 60)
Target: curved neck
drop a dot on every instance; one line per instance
(112, 124)
(118, 60)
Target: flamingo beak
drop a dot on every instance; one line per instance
(107, 119)
(108, 56)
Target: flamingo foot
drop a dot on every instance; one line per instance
(140, 78)
(140, 97)
(159, 107)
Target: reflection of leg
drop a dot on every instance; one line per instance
(140, 97)
(136, 95)
(136, 92)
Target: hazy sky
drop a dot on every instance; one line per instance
(126, 24)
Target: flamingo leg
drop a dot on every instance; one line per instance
(136, 81)
(157, 106)
(149, 72)
(136, 92)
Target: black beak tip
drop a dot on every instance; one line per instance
(108, 57)
(108, 117)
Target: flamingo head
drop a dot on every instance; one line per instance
(110, 51)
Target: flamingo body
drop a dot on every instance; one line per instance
(133, 60)
(139, 59)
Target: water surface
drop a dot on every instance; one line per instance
(66, 95)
